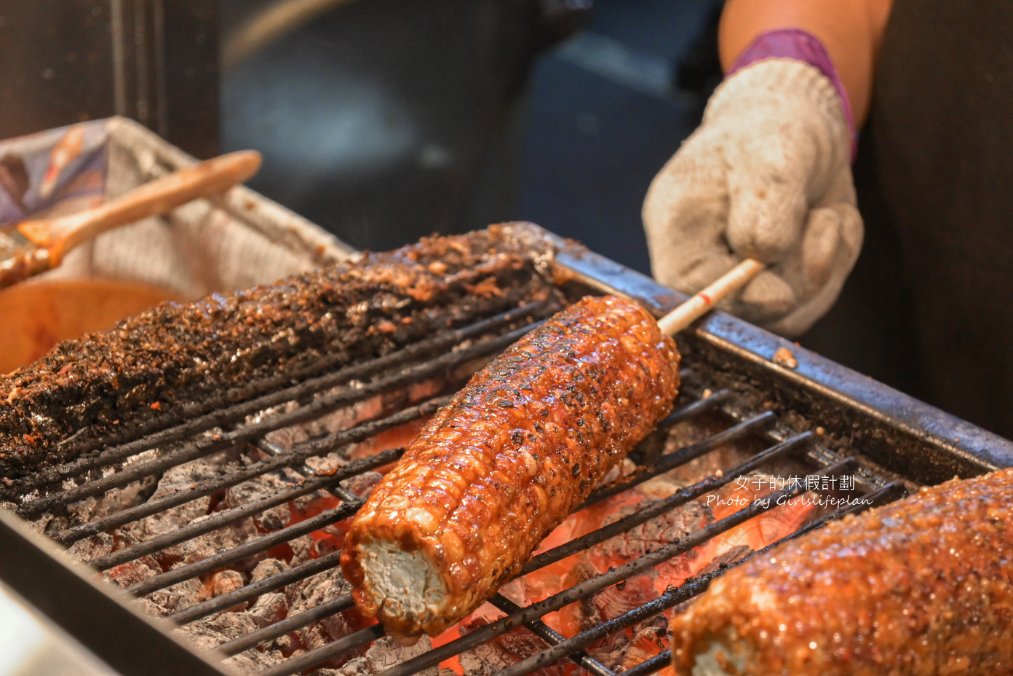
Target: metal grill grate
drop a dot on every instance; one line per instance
(749, 414)
(320, 394)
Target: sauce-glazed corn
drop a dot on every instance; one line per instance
(506, 461)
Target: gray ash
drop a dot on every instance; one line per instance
(382, 655)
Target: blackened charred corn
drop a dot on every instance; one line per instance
(150, 365)
(506, 461)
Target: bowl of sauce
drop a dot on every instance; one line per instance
(36, 315)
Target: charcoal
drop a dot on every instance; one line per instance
(312, 592)
(210, 632)
(267, 568)
(382, 655)
(225, 581)
(209, 544)
(505, 650)
(133, 572)
(93, 547)
(362, 484)
(178, 596)
(174, 480)
(269, 608)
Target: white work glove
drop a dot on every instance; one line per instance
(766, 175)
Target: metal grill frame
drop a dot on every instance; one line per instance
(888, 437)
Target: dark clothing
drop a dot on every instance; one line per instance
(929, 308)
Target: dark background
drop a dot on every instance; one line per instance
(383, 120)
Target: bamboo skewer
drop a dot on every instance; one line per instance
(208, 178)
(702, 302)
(35, 246)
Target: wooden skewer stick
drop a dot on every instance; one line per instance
(702, 303)
(60, 235)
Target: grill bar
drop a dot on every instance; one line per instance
(255, 589)
(675, 500)
(552, 637)
(228, 600)
(194, 419)
(682, 456)
(323, 653)
(365, 464)
(588, 587)
(673, 597)
(263, 543)
(331, 442)
(694, 408)
(229, 516)
(291, 623)
(666, 462)
(223, 518)
(651, 665)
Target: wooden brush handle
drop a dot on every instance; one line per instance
(60, 235)
(701, 303)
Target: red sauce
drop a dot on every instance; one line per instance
(36, 315)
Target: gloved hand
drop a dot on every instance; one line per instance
(767, 174)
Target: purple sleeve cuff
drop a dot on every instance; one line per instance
(794, 43)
